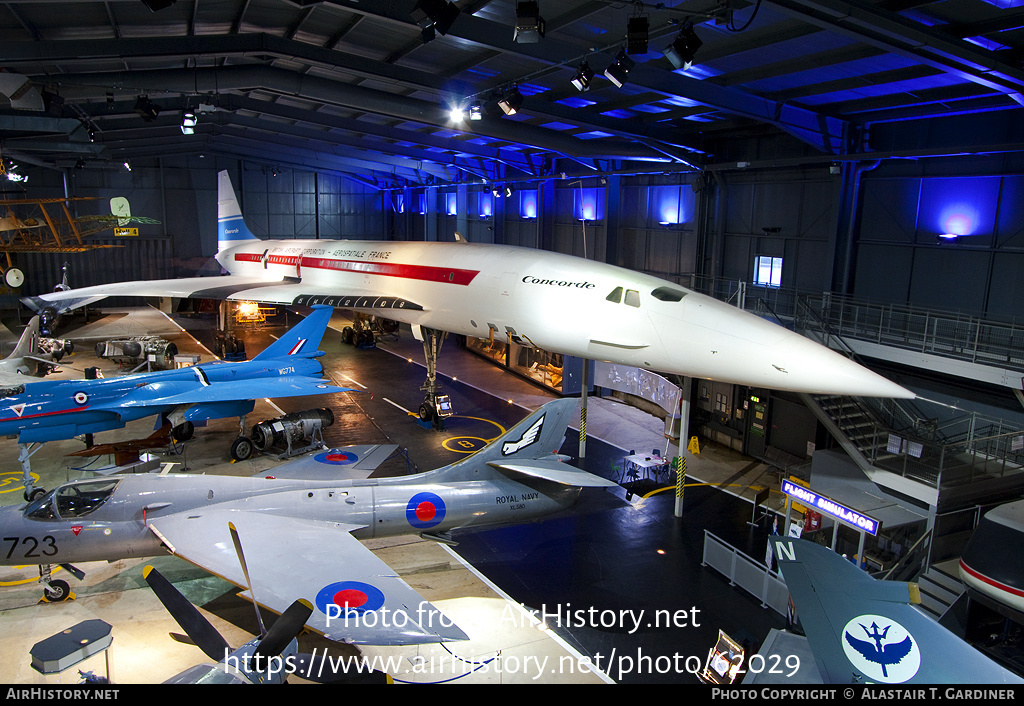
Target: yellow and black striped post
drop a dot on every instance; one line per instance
(680, 466)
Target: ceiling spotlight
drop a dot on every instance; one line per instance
(616, 73)
(188, 123)
(127, 166)
(146, 109)
(475, 112)
(584, 75)
(508, 191)
(456, 115)
(511, 101)
(434, 16)
(636, 35)
(683, 48)
(529, 23)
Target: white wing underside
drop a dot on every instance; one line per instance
(290, 558)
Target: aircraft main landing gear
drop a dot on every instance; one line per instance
(435, 407)
(56, 590)
(241, 448)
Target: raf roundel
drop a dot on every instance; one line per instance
(81, 398)
(337, 457)
(425, 510)
(348, 596)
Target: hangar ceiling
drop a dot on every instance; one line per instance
(352, 86)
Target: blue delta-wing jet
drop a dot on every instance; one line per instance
(862, 630)
(48, 410)
(301, 524)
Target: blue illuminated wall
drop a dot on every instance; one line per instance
(906, 252)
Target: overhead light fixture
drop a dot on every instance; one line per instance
(434, 16)
(475, 112)
(529, 23)
(683, 48)
(127, 165)
(511, 101)
(616, 73)
(147, 109)
(636, 35)
(584, 75)
(188, 123)
(456, 115)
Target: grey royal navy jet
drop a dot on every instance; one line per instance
(866, 631)
(301, 532)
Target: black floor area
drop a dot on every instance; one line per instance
(606, 566)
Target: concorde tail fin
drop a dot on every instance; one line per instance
(231, 227)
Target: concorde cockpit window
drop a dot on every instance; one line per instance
(13, 391)
(76, 499)
(616, 296)
(632, 297)
(668, 294)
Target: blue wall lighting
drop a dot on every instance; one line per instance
(399, 202)
(958, 219)
(451, 203)
(528, 203)
(672, 205)
(588, 204)
(959, 207)
(485, 203)
(421, 204)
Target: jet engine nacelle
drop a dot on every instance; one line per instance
(136, 349)
(291, 428)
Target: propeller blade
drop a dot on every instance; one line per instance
(198, 628)
(245, 570)
(285, 629)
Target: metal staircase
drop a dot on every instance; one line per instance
(892, 439)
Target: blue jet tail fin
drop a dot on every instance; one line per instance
(863, 630)
(231, 227)
(303, 338)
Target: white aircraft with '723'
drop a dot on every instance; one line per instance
(556, 302)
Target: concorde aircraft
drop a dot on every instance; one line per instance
(556, 302)
(47, 410)
(301, 532)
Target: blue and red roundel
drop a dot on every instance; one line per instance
(337, 457)
(425, 510)
(349, 596)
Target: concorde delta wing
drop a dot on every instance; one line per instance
(231, 288)
(357, 598)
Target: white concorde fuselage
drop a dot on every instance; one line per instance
(553, 301)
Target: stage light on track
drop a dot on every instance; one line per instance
(188, 123)
(683, 48)
(434, 16)
(529, 23)
(147, 109)
(584, 75)
(636, 35)
(511, 101)
(616, 73)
